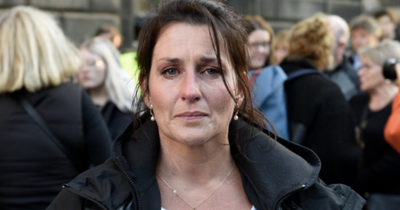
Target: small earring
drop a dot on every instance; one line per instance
(152, 118)
(236, 117)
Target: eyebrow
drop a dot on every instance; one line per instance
(171, 60)
(202, 59)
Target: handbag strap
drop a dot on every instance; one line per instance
(39, 120)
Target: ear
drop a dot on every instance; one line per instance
(239, 98)
(145, 92)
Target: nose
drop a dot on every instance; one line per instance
(360, 72)
(190, 87)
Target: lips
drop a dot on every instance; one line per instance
(191, 115)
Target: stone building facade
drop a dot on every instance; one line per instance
(81, 18)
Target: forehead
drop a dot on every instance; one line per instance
(83, 52)
(360, 30)
(259, 34)
(179, 37)
(183, 33)
(367, 60)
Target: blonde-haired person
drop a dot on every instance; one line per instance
(101, 75)
(280, 46)
(37, 63)
(380, 169)
(319, 116)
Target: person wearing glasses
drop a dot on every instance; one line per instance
(266, 81)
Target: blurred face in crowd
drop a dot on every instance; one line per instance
(387, 27)
(92, 73)
(260, 43)
(281, 51)
(190, 102)
(361, 38)
(370, 75)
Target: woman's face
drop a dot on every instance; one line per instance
(191, 104)
(370, 75)
(259, 48)
(92, 73)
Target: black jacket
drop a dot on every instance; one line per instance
(321, 119)
(32, 167)
(345, 76)
(274, 175)
(115, 119)
(380, 169)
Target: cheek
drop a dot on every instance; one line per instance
(100, 76)
(221, 100)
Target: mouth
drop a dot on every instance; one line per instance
(191, 116)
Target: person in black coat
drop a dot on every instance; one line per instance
(102, 76)
(319, 116)
(342, 72)
(199, 143)
(37, 63)
(380, 168)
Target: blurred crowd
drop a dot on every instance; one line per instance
(326, 84)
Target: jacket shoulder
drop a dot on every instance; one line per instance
(334, 196)
(105, 185)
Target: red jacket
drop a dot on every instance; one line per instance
(392, 128)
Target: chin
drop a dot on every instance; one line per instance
(193, 139)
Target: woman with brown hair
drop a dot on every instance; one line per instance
(198, 144)
(266, 81)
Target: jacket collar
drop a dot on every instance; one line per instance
(269, 170)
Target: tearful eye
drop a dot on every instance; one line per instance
(213, 71)
(170, 71)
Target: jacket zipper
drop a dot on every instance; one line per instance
(67, 187)
(130, 181)
(287, 194)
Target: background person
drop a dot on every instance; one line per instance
(184, 151)
(111, 33)
(127, 60)
(365, 31)
(312, 99)
(266, 81)
(380, 169)
(388, 24)
(100, 75)
(280, 46)
(37, 63)
(341, 72)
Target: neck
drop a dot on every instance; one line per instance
(99, 96)
(194, 165)
(380, 97)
